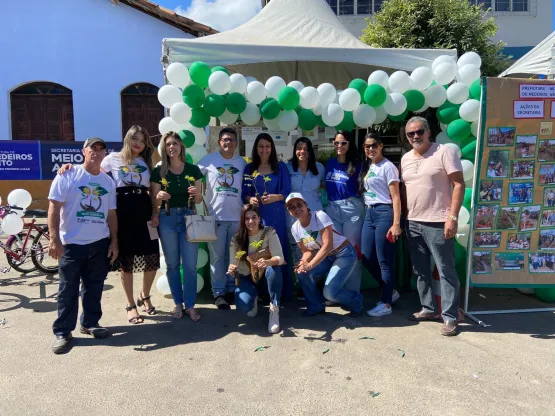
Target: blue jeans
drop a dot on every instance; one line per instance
(378, 252)
(90, 264)
(247, 291)
(342, 282)
(222, 283)
(347, 216)
(179, 252)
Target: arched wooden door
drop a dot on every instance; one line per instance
(139, 105)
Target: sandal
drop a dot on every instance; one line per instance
(141, 302)
(193, 314)
(177, 312)
(135, 319)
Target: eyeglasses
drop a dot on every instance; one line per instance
(371, 146)
(228, 140)
(293, 207)
(342, 144)
(415, 133)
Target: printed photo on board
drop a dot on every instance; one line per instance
(481, 262)
(522, 169)
(498, 164)
(501, 136)
(526, 146)
(546, 151)
(547, 174)
(490, 191)
(519, 241)
(549, 197)
(485, 216)
(509, 261)
(487, 240)
(529, 218)
(547, 240)
(541, 262)
(508, 218)
(521, 193)
(547, 218)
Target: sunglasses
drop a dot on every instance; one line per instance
(293, 207)
(415, 133)
(342, 144)
(371, 146)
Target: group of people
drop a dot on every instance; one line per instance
(542, 261)
(266, 212)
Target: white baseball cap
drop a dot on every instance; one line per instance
(294, 195)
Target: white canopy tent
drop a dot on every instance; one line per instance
(297, 40)
(539, 61)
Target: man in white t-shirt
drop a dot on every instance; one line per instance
(83, 234)
(224, 179)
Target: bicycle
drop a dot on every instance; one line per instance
(17, 253)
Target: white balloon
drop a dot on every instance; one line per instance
(471, 58)
(469, 184)
(318, 110)
(197, 152)
(309, 97)
(442, 59)
(474, 128)
(443, 127)
(327, 94)
(381, 114)
(160, 150)
(379, 77)
(364, 116)
(168, 95)
(272, 125)
(298, 85)
(274, 86)
(199, 133)
(200, 283)
(178, 75)
(332, 115)
(12, 224)
(163, 286)
(422, 78)
(163, 265)
(349, 99)
(470, 110)
(468, 74)
(288, 120)
(442, 138)
(464, 215)
(395, 103)
(336, 101)
(256, 92)
(219, 83)
(458, 93)
(526, 290)
(167, 124)
(435, 95)
(251, 115)
(250, 79)
(228, 118)
(180, 113)
(454, 146)
(462, 234)
(400, 82)
(445, 72)
(423, 108)
(202, 258)
(238, 83)
(20, 198)
(468, 169)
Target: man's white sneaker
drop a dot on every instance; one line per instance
(380, 310)
(273, 321)
(395, 296)
(254, 311)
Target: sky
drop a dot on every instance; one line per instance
(220, 14)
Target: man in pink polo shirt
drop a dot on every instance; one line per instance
(434, 182)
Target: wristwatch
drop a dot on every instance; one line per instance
(453, 217)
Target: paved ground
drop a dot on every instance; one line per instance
(167, 367)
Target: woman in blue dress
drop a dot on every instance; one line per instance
(266, 185)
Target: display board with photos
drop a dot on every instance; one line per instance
(512, 240)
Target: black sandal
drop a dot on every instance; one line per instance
(136, 319)
(141, 302)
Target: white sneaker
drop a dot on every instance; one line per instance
(273, 321)
(254, 311)
(395, 296)
(380, 310)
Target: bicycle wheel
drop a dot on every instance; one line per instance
(40, 257)
(25, 264)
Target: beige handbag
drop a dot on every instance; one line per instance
(200, 228)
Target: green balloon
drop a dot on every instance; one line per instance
(214, 105)
(187, 137)
(307, 119)
(469, 151)
(468, 140)
(360, 85)
(219, 68)
(467, 198)
(269, 108)
(298, 109)
(375, 95)
(235, 103)
(199, 118)
(200, 72)
(320, 122)
(400, 117)
(193, 96)
(288, 98)
(460, 253)
(448, 112)
(458, 130)
(415, 100)
(476, 90)
(545, 294)
(347, 123)
(188, 158)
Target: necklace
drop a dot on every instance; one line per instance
(417, 161)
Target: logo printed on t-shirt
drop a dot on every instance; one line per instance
(91, 200)
(309, 240)
(132, 174)
(226, 178)
(337, 176)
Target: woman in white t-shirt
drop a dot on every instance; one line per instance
(379, 184)
(325, 253)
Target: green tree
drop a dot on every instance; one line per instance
(437, 24)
